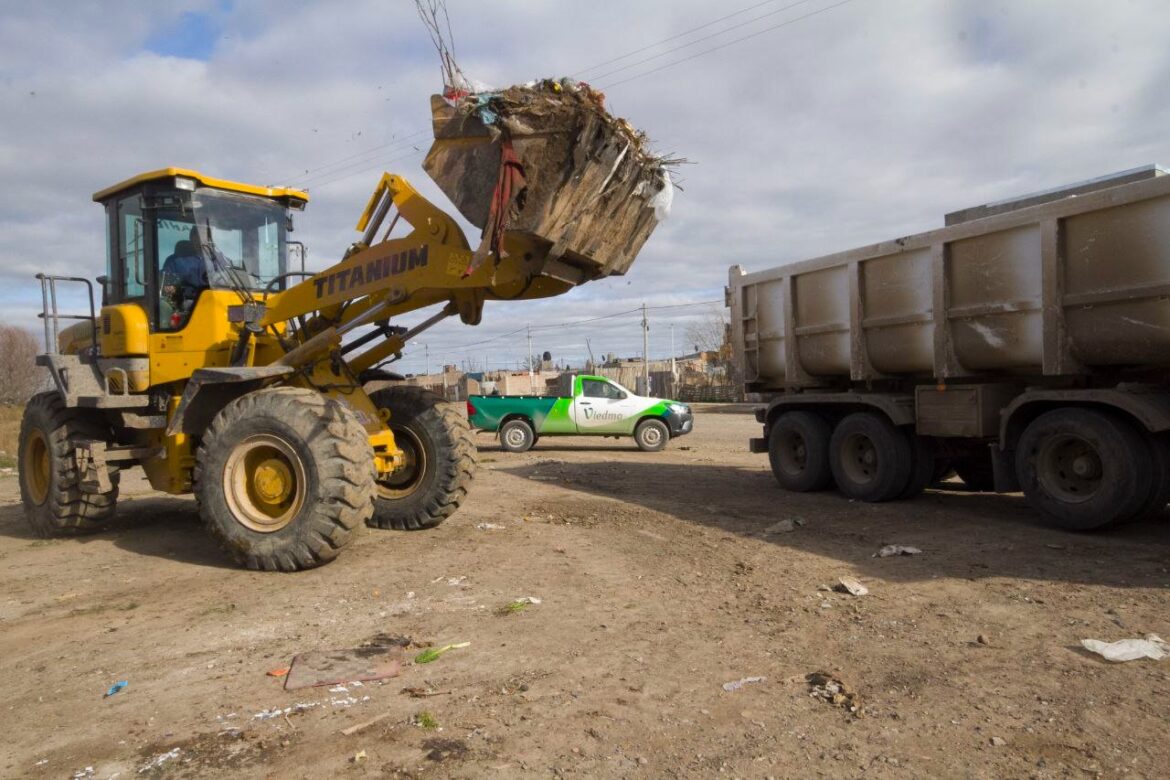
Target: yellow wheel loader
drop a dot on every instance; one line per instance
(224, 372)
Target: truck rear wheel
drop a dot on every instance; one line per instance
(871, 459)
(924, 469)
(517, 435)
(798, 451)
(440, 460)
(284, 478)
(1084, 469)
(651, 435)
(50, 483)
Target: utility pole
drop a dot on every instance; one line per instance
(530, 361)
(427, 350)
(673, 366)
(645, 351)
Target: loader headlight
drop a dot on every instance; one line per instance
(183, 183)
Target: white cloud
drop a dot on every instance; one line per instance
(860, 123)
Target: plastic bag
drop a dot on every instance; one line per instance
(1129, 649)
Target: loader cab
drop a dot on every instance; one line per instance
(174, 234)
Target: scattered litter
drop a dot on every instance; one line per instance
(115, 688)
(159, 760)
(83, 773)
(358, 757)
(851, 586)
(365, 725)
(824, 686)
(336, 667)
(735, 685)
(433, 653)
(422, 693)
(277, 712)
(983, 640)
(1057, 546)
(281, 672)
(890, 550)
(785, 526)
(998, 741)
(1129, 649)
(489, 527)
(42, 762)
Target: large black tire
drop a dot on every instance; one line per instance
(1084, 469)
(50, 484)
(517, 435)
(1160, 483)
(798, 451)
(284, 478)
(923, 472)
(441, 460)
(651, 435)
(976, 472)
(871, 459)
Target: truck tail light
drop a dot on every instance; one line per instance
(470, 409)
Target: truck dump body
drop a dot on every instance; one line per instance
(1025, 346)
(1067, 287)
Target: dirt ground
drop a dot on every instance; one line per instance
(658, 583)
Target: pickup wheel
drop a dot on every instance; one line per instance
(871, 459)
(284, 478)
(50, 484)
(798, 451)
(1085, 469)
(517, 436)
(440, 460)
(651, 435)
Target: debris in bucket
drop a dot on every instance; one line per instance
(433, 653)
(355, 664)
(850, 586)
(890, 550)
(735, 685)
(115, 688)
(826, 687)
(1152, 647)
(544, 160)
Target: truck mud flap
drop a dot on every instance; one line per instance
(758, 445)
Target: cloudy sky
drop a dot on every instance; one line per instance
(813, 126)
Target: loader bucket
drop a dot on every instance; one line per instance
(591, 190)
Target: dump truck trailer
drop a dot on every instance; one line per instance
(1025, 345)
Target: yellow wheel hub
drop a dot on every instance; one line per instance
(37, 466)
(264, 483)
(273, 481)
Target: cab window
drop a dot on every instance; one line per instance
(596, 388)
(131, 248)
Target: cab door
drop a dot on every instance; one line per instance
(603, 407)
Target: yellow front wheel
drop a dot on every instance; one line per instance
(285, 477)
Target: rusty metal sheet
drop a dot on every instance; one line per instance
(354, 664)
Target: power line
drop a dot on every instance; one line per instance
(314, 172)
(673, 37)
(700, 40)
(345, 162)
(729, 43)
(464, 347)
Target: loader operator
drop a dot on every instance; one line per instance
(184, 274)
